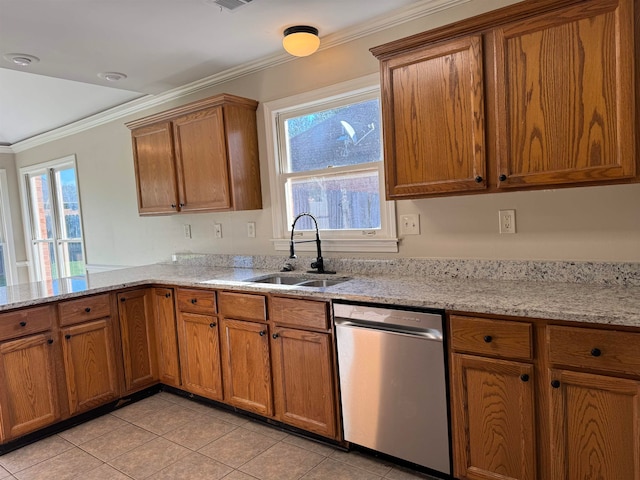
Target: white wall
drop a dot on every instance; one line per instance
(589, 223)
(7, 163)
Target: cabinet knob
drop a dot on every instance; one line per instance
(555, 383)
(212, 324)
(275, 335)
(122, 299)
(524, 377)
(182, 204)
(167, 295)
(596, 352)
(488, 338)
(88, 309)
(478, 179)
(262, 333)
(502, 177)
(194, 300)
(50, 341)
(23, 324)
(173, 205)
(67, 336)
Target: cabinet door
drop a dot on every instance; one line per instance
(595, 426)
(246, 369)
(493, 419)
(565, 96)
(166, 336)
(200, 354)
(433, 112)
(303, 380)
(90, 365)
(28, 388)
(138, 339)
(155, 169)
(201, 156)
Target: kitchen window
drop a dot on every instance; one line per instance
(326, 159)
(52, 201)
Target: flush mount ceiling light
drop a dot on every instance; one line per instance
(21, 59)
(112, 76)
(301, 40)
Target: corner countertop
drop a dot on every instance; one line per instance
(590, 303)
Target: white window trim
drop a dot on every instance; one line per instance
(34, 273)
(387, 241)
(7, 231)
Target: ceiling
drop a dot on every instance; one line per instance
(159, 45)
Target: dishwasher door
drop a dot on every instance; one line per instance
(394, 393)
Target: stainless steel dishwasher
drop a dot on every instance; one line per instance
(391, 364)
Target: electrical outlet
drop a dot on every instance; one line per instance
(507, 221)
(410, 224)
(217, 228)
(187, 230)
(251, 229)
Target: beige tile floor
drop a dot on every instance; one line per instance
(169, 437)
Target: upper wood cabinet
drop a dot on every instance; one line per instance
(200, 157)
(536, 94)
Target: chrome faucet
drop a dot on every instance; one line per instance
(319, 263)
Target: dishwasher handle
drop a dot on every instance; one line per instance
(427, 334)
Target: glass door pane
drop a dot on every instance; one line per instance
(70, 225)
(43, 226)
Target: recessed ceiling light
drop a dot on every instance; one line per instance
(112, 76)
(21, 59)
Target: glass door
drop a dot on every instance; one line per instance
(56, 223)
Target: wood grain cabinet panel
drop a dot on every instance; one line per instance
(245, 306)
(28, 385)
(486, 336)
(300, 313)
(26, 321)
(166, 336)
(88, 351)
(493, 419)
(595, 427)
(433, 115)
(303, 380)
(135, 311)
(84, 309)
(565, 96)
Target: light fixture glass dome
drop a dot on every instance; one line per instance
(301, 40)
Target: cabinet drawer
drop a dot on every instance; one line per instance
(302, 313)
(83, 309)
(594, 349)
(500, 338)
(197, 301)
(24, 322)
(242, 306)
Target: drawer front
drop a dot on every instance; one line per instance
(594, 349)
(196, 301)
(500, 338)
(301, 313)
(84, 309)
(242, 306)
(24, 322)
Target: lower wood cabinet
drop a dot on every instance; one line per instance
(88, 351)
(166, 336)
(135, 311)
(28, 385)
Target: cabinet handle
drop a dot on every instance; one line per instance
(502, 177)
(524, 377)
(50, 341)
(275, 335)
(167, 295)
(478, 179)
(596, 352)
(212, 324)
(88, 309)
(262, 333)
(555, 383)
(23, 324)
(194, 301)
(67, 336)
(488, 338)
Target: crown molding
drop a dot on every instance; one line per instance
(403, 15)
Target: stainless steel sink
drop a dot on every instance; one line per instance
(297, 280)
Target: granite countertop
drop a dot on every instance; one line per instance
(591, 303)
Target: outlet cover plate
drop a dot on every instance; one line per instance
(410, 224)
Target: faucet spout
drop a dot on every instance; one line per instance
(319, 263)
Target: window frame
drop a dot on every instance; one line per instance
(358, 240)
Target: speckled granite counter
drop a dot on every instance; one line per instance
(592, 303)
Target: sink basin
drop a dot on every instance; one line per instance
(297, 280)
